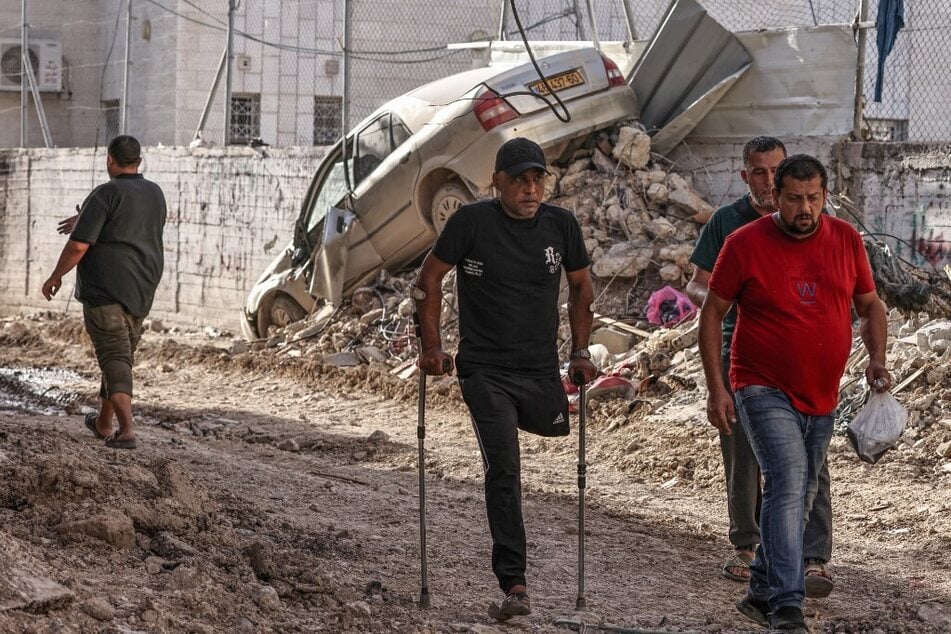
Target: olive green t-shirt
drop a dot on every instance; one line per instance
(722, 223)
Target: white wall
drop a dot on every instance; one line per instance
(224, 206)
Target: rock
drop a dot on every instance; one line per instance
(343, 359)
(934, 338)
(266, 598)
(683, 195)
(288, 444)
(239, 346)
(115, 529)
(372, 316)
(185, 578)
(624, 259)
(661, 228)
(293, 328)
(678, 254)
(261, 555)
(98, 608)
(211, 332)
(406, 307)
(670, 272)
(378, 436)
(167, 545)
(155, 325)
(363, 300)
(935, 615)
(944, 449)
(23, 588)
(657, 193)
(154, 565)
(633, 147)
(360, 609)
(369, 354)
(603, 163)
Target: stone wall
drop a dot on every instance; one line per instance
(230, 211)
(901, 191)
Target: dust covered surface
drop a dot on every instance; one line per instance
(273, 493)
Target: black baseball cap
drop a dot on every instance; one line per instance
(518, 155)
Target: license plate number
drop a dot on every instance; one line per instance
(559, 82)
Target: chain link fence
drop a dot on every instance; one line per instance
(287, 80)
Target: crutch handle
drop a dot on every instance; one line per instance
(578, 378)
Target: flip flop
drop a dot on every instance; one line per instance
(738, 560)
(91, 425)
(819, 582)
(115, 443)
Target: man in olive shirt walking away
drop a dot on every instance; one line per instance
(116, 243)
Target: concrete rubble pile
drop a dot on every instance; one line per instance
(639, 222)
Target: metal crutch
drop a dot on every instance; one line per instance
(424, 602)
(581, 603)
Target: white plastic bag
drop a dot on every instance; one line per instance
(877, 426)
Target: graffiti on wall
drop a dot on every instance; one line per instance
(931, 232)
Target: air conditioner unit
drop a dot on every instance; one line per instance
(46, 57)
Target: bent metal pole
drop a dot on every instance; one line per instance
(581, 603)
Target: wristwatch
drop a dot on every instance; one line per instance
(584, 353)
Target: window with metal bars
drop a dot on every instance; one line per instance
(245, 119)
(328, 112)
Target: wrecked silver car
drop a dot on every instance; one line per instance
(414, 161)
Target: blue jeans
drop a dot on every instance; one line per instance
(791, 448)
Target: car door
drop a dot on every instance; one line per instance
(384, 171)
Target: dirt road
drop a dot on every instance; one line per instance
(278, 494)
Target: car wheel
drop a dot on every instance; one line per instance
(278, 313)
(449, 197)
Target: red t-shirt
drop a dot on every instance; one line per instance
(794, 297)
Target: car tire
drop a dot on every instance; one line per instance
(279, 312)
(449, 197)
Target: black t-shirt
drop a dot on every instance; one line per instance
(122, 221)
(508, 274)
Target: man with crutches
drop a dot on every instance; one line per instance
(509, 254)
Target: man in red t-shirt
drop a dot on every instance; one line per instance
(794, 276)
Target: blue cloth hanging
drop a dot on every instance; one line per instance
(891, 19)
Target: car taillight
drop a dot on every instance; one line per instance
(491, 110)
(615, 78)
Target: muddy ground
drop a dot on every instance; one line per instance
(278, 494)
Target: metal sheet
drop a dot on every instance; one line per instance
(801, 83)
(674, 132)
(689, 56)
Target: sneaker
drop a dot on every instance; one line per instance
(515, 604)
(754, 610)
(788, 620)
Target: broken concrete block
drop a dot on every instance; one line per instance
(343, 359)
(661, 228)
(633, 148)
(603, 163)
(624, 259)
(935, 337)
(615, 341)
(684, 196)
(657, 193)
(670, 272)
(239, 346)
(371, 354)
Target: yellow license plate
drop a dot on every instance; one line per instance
(559, 82)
